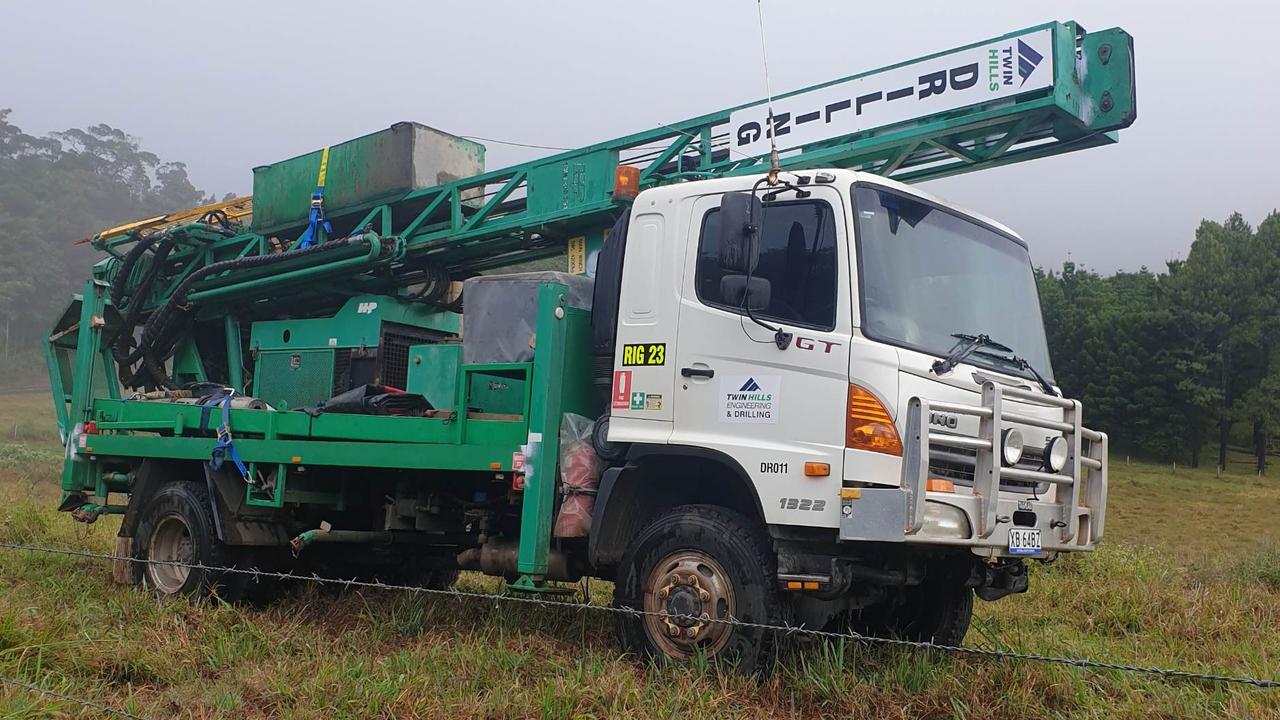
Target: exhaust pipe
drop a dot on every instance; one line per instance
(501, 558)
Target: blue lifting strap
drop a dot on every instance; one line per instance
(317, 219)
(224, 447)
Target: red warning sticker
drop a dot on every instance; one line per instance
(621, 389)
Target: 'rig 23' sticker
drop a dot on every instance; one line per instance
(644, 354)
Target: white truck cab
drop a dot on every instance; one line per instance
(873, 362)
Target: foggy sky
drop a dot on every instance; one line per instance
(229, 85)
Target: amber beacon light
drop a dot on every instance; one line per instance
(626, 183)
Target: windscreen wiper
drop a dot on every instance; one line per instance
(1048, 387)
(968, 345)
(1022, 364)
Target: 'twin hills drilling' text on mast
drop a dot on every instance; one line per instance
(814, 395)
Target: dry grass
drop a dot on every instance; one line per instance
(27, 418)
(1144, 598)
(1194, 513)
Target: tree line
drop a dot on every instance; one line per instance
(1169, 363)
(53, 190)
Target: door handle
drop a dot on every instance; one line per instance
(698, 372)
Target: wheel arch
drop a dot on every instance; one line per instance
(656, 478)
(234, 523)
(151, 475)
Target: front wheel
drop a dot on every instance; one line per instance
(690, 570)
(175, 532)
(936, 611)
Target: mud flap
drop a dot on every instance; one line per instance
(214, 503)
(234, 521)
(73, 502)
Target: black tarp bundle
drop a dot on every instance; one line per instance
(372, 400)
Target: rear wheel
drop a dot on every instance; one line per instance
(175, 533)
(170, 542)
(688, 570)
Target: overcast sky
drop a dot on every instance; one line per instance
(228, 85)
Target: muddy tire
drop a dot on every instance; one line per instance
(177, 526)
(938, 611)
(704, 563)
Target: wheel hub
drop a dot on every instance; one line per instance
(688, 592)
(684, 601)
(170, 542)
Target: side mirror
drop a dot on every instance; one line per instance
(740, 216)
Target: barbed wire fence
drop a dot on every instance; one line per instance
(54, 694)
(787, 630)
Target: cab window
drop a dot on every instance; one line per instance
(794, 281)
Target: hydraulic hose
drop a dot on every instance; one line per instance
(122, 343)
(435, 284)
(158, 337)
(140, 246)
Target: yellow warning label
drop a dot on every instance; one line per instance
(577, 255)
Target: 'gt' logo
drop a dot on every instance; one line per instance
(805, 343)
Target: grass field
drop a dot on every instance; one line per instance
(1189, 578)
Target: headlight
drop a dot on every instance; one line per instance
(1055, 454)
(945, 521)
(1011, 446)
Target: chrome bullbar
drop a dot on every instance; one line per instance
(1071, 519)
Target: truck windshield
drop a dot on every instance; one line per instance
(927, 274)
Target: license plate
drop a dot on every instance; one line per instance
(1024, 541)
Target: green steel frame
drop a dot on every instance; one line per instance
(559, 383)
(531, 210)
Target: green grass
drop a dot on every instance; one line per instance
(1189, 578)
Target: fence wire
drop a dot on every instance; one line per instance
(785, 629)
(91, 704)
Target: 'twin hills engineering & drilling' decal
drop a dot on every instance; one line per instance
(750, 398)
(1012, 65)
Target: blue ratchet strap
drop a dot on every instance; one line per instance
(208, 405)
(224, 447)
(317, 219)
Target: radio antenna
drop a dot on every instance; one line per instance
(764, 55)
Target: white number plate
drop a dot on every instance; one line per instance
(1024, 541)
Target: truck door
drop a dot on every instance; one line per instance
(772, 410)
